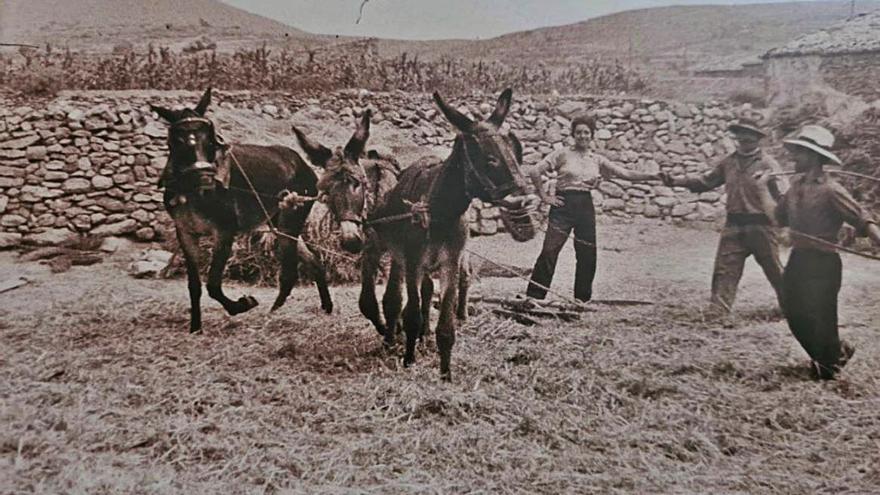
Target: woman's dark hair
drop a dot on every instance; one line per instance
(583, 120)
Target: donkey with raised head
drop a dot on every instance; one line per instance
(485, 164)
(220, 189)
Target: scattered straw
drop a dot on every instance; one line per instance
(104, 391)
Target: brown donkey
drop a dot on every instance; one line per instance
(354, 186)
(219, 189)
(484, 164)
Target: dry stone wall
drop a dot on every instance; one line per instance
(89, 163)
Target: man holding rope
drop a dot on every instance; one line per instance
(748, 230)
(814, 209)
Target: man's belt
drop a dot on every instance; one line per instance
(741, 219)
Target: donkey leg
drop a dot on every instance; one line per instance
(323, 290)
(446, 324)
(392, 301)
(367, 302)
(291, 222)
(427, 296)
(412, 313)
(290, 252)
(222, 250)
(464, 284)
(190, 247)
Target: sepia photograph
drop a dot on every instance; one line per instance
(439, 247)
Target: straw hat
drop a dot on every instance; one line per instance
(816, 139)
(747, 125)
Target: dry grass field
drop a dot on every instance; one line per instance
(104, 391)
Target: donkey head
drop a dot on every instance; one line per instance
(344, 182)
(491, 160)
(193, 146)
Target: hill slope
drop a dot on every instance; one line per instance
(96, 23)
(656, 34)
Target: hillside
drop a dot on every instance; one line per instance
(663, 35)
(660, 46)
(98, 24)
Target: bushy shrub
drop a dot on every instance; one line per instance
(39, 82)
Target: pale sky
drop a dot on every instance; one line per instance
(441, 19)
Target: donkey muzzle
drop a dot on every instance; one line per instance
(519, 214)
(205, 174)
(352, 236)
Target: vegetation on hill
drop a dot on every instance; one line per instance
(36, 72)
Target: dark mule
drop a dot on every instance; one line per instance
(484, 164)
(207, 194)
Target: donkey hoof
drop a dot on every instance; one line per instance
(195, 331)
(244, 303)
(446, 376)
(383, 331)
(277, 304)
(328, 308)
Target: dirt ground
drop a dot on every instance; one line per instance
(104, 391)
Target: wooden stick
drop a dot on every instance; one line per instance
(832, 171)
(832, 245)
(622, 302)
(526, 304)
(854, 174)
(14, 283)
(513, 315)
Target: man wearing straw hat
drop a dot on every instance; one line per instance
(748, 230)
(814, 209)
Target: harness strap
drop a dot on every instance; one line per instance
(491, 189)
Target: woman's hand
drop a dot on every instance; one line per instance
(553, 201)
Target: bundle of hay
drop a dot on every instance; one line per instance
(254, 256)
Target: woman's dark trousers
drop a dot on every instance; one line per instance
(576, 214)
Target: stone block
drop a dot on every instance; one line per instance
(77, 185)
(123, 227)
(10, 240)
(36, 153)
(51, 237)
(21, 143)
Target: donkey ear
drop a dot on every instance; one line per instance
(501, 108)
(202, 107)
(358, 140)
(166, 114)
(317, 153)
(456, 118)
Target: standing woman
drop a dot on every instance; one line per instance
(579, 170)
